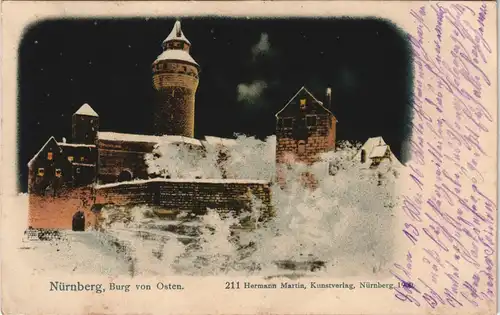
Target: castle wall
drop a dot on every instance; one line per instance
(48, 212)
(118, 156)
(192, 196)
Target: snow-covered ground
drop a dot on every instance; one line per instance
(76, 252)
(346, 224)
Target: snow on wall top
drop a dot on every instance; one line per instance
(179, 139)
(65, 144)
(179, 55)
(220, 141)
(185, 180)
(128, 137)
(86, 110)
(84, 164)
(115, 136)
(176, 34)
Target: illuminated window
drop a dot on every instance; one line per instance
(49, 156)
(58, 172)
(311, 121)
(78, 170)
(70, 158)
(41, 171)
(302, 147)
(287, 123)
(303, 103)
(82, 159)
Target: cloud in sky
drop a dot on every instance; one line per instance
(250, 93)
(262, 47)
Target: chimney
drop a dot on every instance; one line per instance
(328, 99)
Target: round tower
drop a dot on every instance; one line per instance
(175, 80)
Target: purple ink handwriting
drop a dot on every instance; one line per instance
(449, 217)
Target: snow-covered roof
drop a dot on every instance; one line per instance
(376, 147)
(370, 144)
(220, 141)
(86, 110)
(185, 180)
(116, 136)
(175, 54)
(378, 151)
(41, 149)
(315, 99)
(176, 34)
(65, 144)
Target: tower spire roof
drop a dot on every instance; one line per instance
(86, 110)
(176, 34)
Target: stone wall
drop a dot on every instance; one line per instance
(192, 196)
(318, 140)
(48, 212)
(175, 84)
(116, 157)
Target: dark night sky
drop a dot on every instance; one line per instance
(107, 63)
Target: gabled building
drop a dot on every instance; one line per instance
(61, 165)
(305, 127)
(374, 151)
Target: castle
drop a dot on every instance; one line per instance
(99, 167)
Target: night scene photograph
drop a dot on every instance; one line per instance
(213, 145)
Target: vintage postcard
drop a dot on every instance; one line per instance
(249, 157)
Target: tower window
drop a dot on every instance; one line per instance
(82, 159)
(41, 171)
(287, 123)
(78, 170)
(311, 120)
(70, 158)
(301, 147)
(49, 156)
(58, 172)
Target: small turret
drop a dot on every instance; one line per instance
(85, 125)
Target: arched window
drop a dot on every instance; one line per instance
(125, 176)
(363, 156)
(301, 147)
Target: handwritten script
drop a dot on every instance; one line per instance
(450, 210)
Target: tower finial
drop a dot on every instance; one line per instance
(178, 31)
(176, 34)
